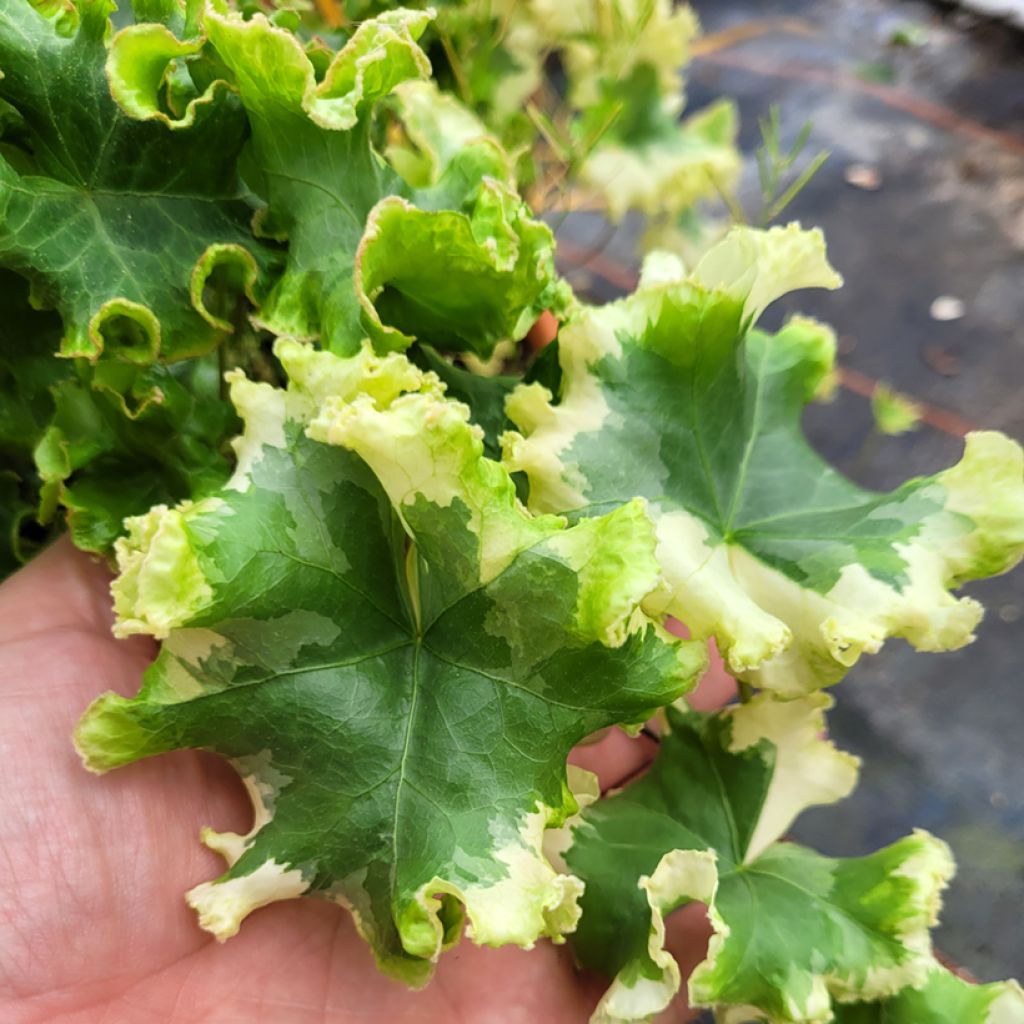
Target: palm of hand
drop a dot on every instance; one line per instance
(94, 925)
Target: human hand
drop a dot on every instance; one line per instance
(94, 926)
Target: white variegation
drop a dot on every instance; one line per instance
(681, 876)
(160, 584)
(224, 904)
(585, 788)
(773, 630)
(186, 649)
(263, 409)
(809, 769)
(531, 901)
(424, 447)
(667, 175)
(759, 267)
(263, 782)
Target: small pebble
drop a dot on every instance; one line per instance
(947, 307)
(1009, 612)
(863, 176)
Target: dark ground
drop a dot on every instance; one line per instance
(942, 124)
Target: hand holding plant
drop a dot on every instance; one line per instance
(394, 589)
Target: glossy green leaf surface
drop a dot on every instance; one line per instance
(672, 395)
(796, 933)
(354, 622)
(119, 224)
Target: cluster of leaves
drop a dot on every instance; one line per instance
(394, 593)
(587, 96)
(154, 184)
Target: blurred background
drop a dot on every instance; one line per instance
(921, 107)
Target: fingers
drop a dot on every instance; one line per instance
(716, 688)
(543, 332)
(687, 932)
(615, 757)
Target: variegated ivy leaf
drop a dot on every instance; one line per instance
(663, 169)
(484, 394)
(393, 653)
(137, 235)
(942, 999)
(421, 271)
(795, 932)
(624, 62)
(670, 394)
(461, 264)
(606, 44)
(435, 128)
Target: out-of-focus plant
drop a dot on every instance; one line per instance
(587, 96)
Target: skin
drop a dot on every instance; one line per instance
(93, 927)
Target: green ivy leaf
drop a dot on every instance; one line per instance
(795, 932)
(669, 394)
(353, 622)
(119, 225)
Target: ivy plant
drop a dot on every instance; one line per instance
(236, 263)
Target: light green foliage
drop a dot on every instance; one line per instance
(796, 933)
(673, 395)
(942, 999)
(893, 413)
(617, 130)
(402, 717)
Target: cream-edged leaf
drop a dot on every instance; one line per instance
(942, 999)
(460, 263)
(119, 224)
(354, 622)
(671, 395)
(795, 933)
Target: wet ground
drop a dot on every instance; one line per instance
(938, 127)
